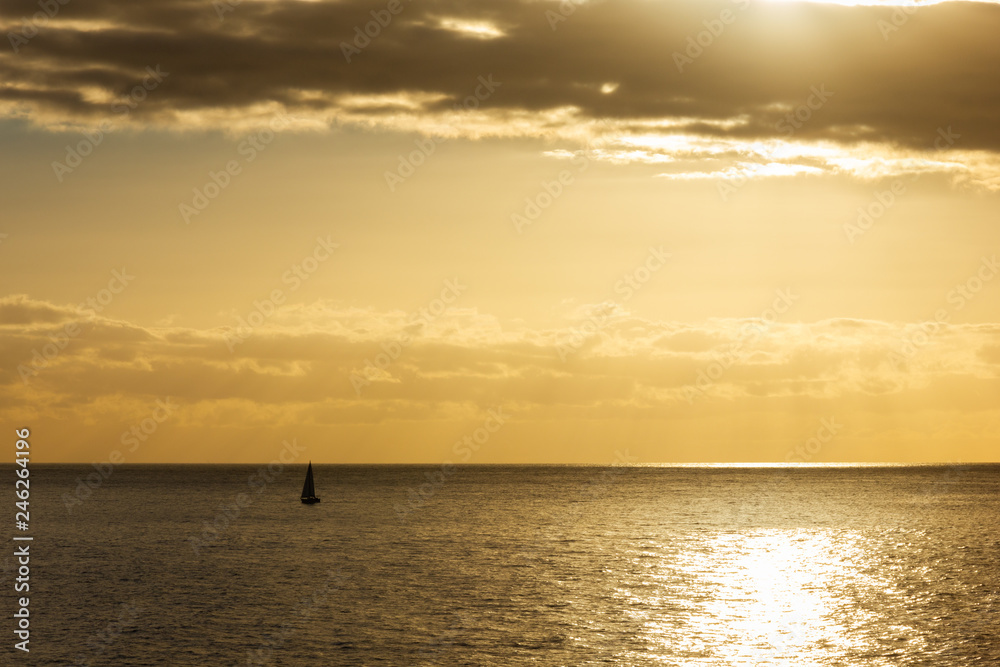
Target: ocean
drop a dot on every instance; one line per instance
(510, 565)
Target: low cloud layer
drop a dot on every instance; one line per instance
(310, 366)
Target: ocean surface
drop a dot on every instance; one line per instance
(510, 565)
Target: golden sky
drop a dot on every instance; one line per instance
(562, 232)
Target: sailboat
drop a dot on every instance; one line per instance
(308, 490)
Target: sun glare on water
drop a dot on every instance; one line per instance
(775, 597)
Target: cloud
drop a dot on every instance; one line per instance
(681, 390)
(19, 310)
(312, 355)
(750, 90)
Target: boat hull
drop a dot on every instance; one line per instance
(310, 501)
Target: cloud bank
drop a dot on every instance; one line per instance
(321, 365)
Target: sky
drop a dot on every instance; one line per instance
(500, 232)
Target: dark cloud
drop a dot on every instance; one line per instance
(889, 85)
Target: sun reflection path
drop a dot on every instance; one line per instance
(766, 597)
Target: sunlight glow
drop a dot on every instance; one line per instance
(475, 29)
(766, 597)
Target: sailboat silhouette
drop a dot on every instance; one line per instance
(308, 489)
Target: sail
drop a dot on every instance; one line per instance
(308, 490)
